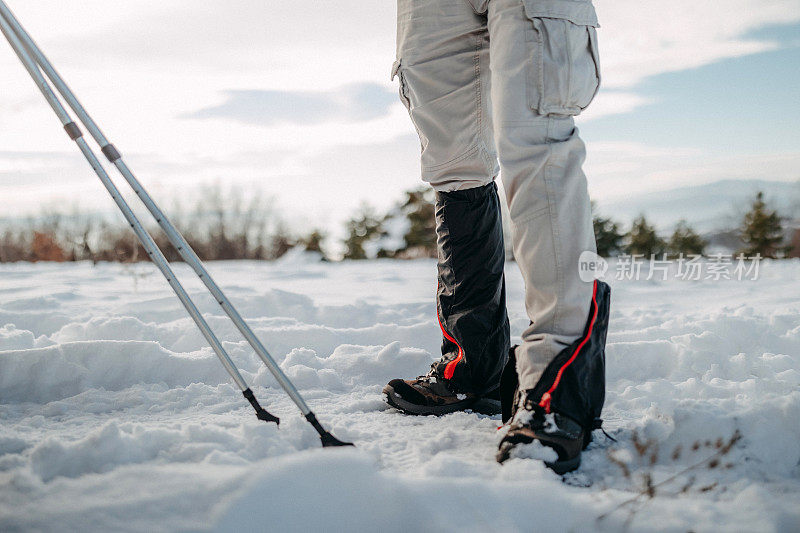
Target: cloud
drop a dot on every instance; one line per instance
(640, 39)
(352, 103)
(304, 40)
(287, 45)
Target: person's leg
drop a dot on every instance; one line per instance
(443, 65)
(540, 158)
(544, 71)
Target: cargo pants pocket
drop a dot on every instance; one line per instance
(563, 70)
(397, 71)
(403, 89)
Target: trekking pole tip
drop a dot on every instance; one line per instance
(327, 439)
(261, 413)
(266, 416)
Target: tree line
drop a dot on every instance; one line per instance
(219, 226)
(761, 231)
(225, 226)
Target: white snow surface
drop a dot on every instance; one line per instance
(115, 415)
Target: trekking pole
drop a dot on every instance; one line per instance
(149, 245)
(15, 33)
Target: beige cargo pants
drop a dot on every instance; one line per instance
(489, 80)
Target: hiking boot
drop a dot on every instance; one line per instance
(488, 403)
(557, 440)
(426, 395)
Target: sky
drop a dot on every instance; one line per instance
(293, 100)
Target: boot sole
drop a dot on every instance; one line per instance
(486, 406)
(559, 467)
(396, 401)
(562, 467)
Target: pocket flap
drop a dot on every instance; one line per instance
(576, 11)
(395, 69)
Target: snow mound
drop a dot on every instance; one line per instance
(12, 338)
(112, 445)
(343, 490)
(350, 365)
(46, 374)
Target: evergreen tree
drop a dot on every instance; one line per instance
(643, 239)
(607, 235)
(280, 242)
(360, 229)
(761, 230)
(420, 239)
(686, 241)
(313, 242)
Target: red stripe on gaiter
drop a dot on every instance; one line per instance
(450, 369)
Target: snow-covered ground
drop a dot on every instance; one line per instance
(114, 415)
